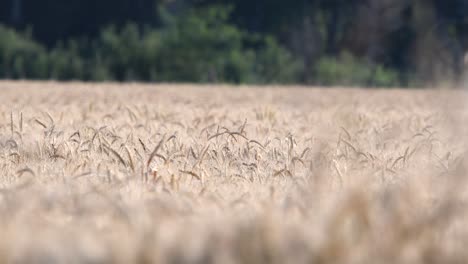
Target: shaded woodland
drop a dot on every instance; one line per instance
(323, 42)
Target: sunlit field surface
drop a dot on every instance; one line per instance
(109, 173)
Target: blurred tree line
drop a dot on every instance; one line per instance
(324, 42)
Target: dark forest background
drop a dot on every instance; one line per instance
(323, 42)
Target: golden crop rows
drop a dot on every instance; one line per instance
(132, 173)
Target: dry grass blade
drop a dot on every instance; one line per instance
(193, 153)
(296, 159)
(40, 123)
(84, 174)
(11, 143)
(217, 135)
(346, 132)
(142, 144)
(174, 136)
(11, 124)
(396, 161)
(21, 122)
(256, 142)
(52, 122)
(291, 145)
(161, 157)
(241, 129)
(76, 133)
(202, 156)
(191, 173)
(130, 159)
(304, 152)
(26, 170)
(232, 134)
(405, 156)
(155, 151)
(338, 172)
(350, 145)
(282, 172)
(116, 154)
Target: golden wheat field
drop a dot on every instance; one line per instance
(131, 173)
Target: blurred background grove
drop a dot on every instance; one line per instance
(371, 43)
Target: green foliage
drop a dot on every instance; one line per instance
(274, 64)
(125, 55)
(20, 56)
(203, 47)
(346, 70)
(243, 41)
(200, 45)
(66, 63)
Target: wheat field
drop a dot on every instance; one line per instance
(132, 173)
